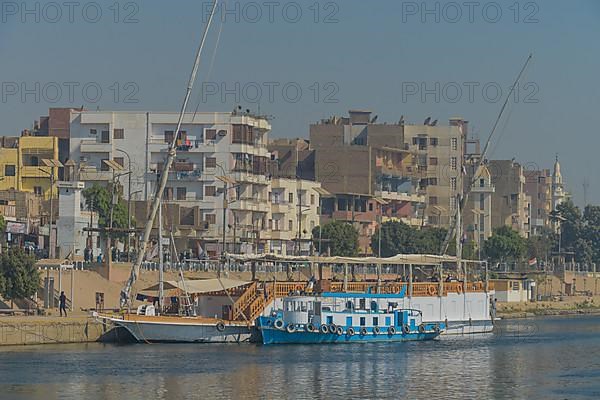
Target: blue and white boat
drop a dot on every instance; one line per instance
(361, 317)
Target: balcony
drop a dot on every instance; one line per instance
(250, 205)
(282, 235)
(281, 207)
(92, 146)
(413, 198)
(483, 189)
(240, 176)
(30, 171)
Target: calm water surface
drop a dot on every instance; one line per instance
(553, 358)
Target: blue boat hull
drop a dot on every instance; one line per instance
(272, 335)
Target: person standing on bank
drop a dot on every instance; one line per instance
(62, 303)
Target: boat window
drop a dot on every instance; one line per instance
(375, 321)
(317, 308)
(303, 306)
(362, 304)
(363, 321)
(349, 305)
(374, 306)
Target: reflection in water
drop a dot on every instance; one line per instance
(546, 358)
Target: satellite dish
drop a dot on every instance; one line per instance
(427, 121)
(374, 119)
(434, 123)
(401, 122)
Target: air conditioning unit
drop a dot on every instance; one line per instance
(222, 133)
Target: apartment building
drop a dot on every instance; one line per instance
(368, 171)
(538, 185)
(24, 164)
(477, 215)
(293, 216)
(439, 164)
(511, 204)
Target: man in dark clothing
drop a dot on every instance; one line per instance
(62, 303)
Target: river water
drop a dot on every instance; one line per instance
(549, 358)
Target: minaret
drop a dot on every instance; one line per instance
(558, 192)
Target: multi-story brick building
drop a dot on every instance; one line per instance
(368, 170)
(439, 163)
(538, 185)
(511, 204)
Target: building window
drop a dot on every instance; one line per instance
(210, 218)
(169, 136)
(453, 183)
(433, 200)
(453, 163)
(37, 190)
(9, 170)
(370, 206)
(454, 143)
(118, 134)
(120, 161)
(291, 197)
(103, 166)
(312, 199)
(210, 134)
(482, 182)
(181, 193)
(168, 195)
(93, 132)
(433, 161)
(433, 141)
(210, 162)
(290, 225)
(453, 203)
(433, 181)
(481, 201)
(105, 138)
(210, 191)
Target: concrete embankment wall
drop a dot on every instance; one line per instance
(50, 330)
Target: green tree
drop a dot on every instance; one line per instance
(99, 198)
(341, 237)
(21, 278)
(505, 244)
(540, 246)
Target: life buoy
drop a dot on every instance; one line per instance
(376, 330)
(422, 328)
(350, 331)
(459, 289)
(220, 326)
(299, 288)
(431, 290)
(332, 328)
(291, 328)
(278, 323)
(392, 330)
(406, 329)
(363, 331)
(339, 330)
(310, 327)
(324, 328)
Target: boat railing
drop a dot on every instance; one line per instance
(244, 300)
(418, 288)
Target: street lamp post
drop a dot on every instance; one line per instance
(128, 202)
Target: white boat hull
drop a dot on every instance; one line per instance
(182, 332)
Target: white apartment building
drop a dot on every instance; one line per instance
(214, 151)
(294, 213)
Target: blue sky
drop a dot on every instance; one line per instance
(349, 54)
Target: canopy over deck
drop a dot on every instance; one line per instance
(199, 285)
(399, 259)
